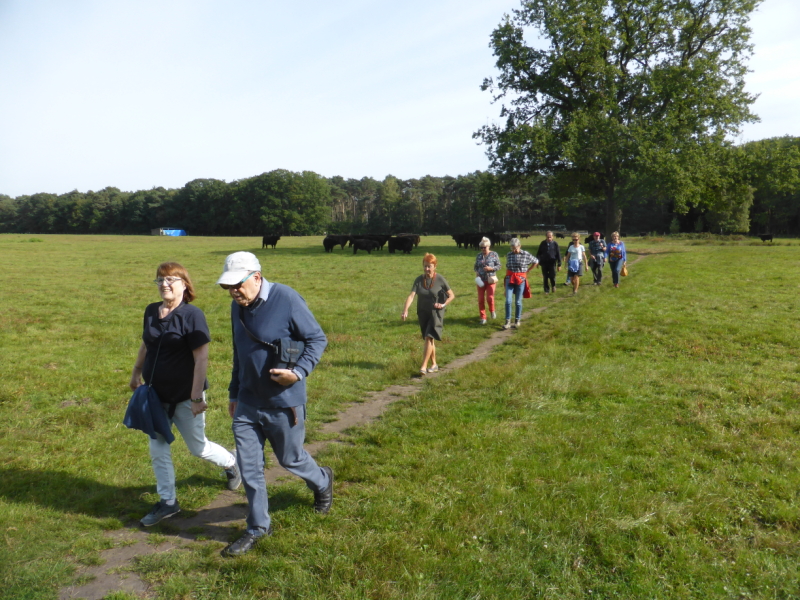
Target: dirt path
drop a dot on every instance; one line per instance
(229, 509)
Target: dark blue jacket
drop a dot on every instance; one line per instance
(146, 414)
(277, 312)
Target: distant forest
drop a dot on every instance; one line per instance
(306, 203)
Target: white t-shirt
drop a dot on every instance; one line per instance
(574, 253)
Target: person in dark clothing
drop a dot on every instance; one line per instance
(173, 357)
(549, 260)
(597, 252)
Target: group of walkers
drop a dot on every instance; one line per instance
(435, 293)
(267, 391)
(277, 342)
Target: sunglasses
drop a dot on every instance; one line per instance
(236, 286)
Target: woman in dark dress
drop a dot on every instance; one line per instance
(173, 358)
(434, 295)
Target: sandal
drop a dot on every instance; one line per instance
(434, 369)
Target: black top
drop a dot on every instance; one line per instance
(185, 329)
(548, 253)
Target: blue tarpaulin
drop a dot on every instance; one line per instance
(173, 232)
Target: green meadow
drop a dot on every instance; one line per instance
(630, 443)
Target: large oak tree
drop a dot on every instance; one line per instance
(606, 96)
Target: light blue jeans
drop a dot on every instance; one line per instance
(511, 291)
(252, 428)
(193, 432)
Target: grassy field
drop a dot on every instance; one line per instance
(630, 443)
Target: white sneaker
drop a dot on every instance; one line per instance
(483, 321)
(494, 315)
(507, 325)
(516, 324)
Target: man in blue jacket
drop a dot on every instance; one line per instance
(269, 404)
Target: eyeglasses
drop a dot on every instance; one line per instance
(236, 286)
(169, 280)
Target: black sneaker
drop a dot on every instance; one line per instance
(160, 511)
(244, 544)
(324, 499)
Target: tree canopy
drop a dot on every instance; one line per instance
(618, 97)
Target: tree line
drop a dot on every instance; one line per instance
(619, 116)
(767, 174)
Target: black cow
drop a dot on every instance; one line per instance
(269, 240)
(589, 238)
(331, 241)
(766, 237)
(404, 244)
(376, 237)
(362, 244)
(412, 236)
(560, 236)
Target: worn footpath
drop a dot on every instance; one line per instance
(229, 509)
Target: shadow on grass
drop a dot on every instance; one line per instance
(72, 494)
(224, 523)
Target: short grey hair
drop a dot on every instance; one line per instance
(485, 242)
(515, 243)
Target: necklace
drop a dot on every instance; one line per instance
(428, 283)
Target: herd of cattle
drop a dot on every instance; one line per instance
(406, 242)
(471, 240)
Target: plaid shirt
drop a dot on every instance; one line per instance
(520, 262)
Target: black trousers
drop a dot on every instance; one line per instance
(549, 276)
(597, 271)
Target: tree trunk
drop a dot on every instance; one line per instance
(613, 215)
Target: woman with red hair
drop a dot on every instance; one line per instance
(434, 295)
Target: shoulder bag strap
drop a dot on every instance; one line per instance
(272, 347)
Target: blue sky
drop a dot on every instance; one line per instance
(141, 93)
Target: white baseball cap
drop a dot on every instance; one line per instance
(238, 266)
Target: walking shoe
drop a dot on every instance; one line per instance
(516, 324)
(324, 499)
(507, 324)
(160, 511)
(244, 544)
(233, 474)
(434, 369)
(483, 321)
(494, 315)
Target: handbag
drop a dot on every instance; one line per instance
(624, 271)
(285, 351)
(492, 279)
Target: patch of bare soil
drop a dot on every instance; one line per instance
(226, 514)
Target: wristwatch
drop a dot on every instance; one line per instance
(198, 400)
